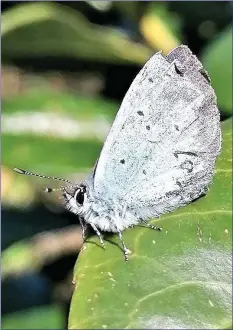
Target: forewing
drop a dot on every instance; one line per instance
(161, 150)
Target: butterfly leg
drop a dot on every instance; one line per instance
(84, 227)
(99, 235)
(126, 251)
(153, 227)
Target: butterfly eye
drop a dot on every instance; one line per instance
(79, 196)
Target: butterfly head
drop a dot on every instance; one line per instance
(74, 201)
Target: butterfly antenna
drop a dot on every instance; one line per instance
(20, 171)
(49, 190)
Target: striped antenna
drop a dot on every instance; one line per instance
(49, 190)
(20, 171)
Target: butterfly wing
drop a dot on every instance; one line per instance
(161, 150)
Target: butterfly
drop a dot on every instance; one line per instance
(160, 152)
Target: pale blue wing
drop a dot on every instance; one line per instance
(161, 150)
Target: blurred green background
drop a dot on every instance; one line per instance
(65, 69)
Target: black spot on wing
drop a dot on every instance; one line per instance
(178, 183)
(144, 172)
(189, 153)
(140, 113)
(148, 127)
(150, 80)
(178, 71)
(122, 161)
(187, 165)
(176, 127)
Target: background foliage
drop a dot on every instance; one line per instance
(65, 69)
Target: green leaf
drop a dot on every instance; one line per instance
(27, 144)
(178, 278)
(49, 29)
(46, 100)
(217, 60)
(49, 317)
